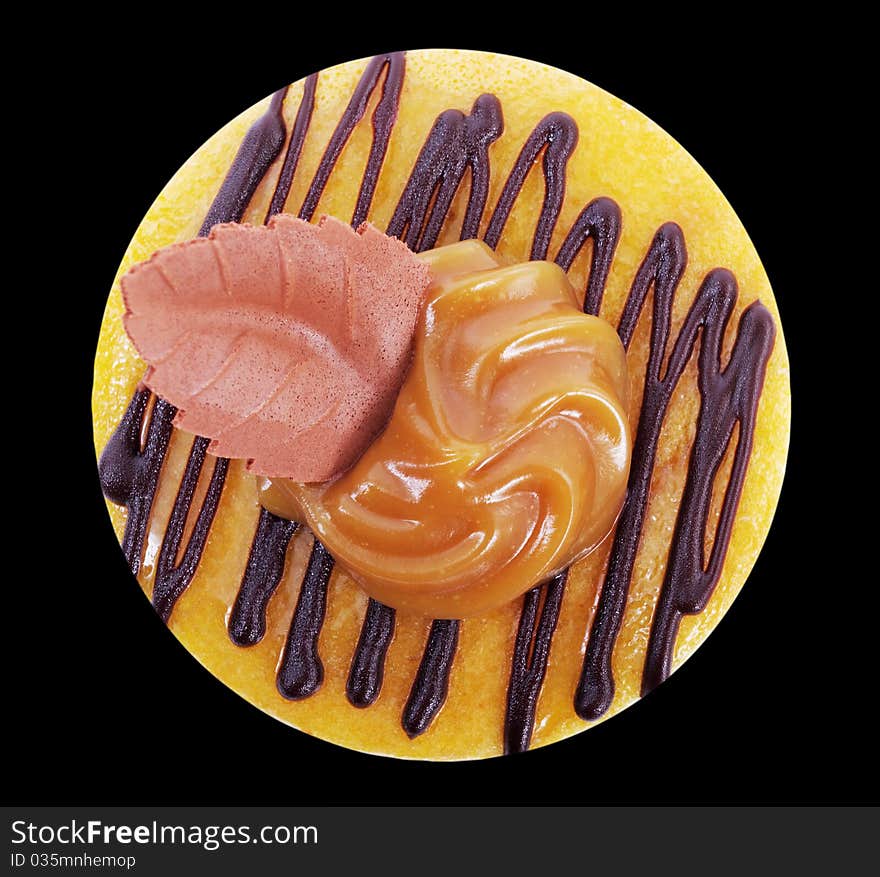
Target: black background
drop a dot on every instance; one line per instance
(102, 703)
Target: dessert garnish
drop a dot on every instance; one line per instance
(507, 452)
(506, 456)
(286, 344)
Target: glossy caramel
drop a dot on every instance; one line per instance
(507, 454)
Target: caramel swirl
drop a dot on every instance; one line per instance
(506, 456)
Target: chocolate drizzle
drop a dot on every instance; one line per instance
(294, 148)
(531, 651)
(456, 142)
(557, 135)
(258, 150)
(725, 397)
(662, 268)
(368, 663)
(431, 684)
(599, 221)
(729, 396)
(173, 578)
(301, 672)
(384, 117)
(265, 566)
(129, 474)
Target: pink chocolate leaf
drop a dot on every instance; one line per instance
(286, 344)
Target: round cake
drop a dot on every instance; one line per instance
(433, 147)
